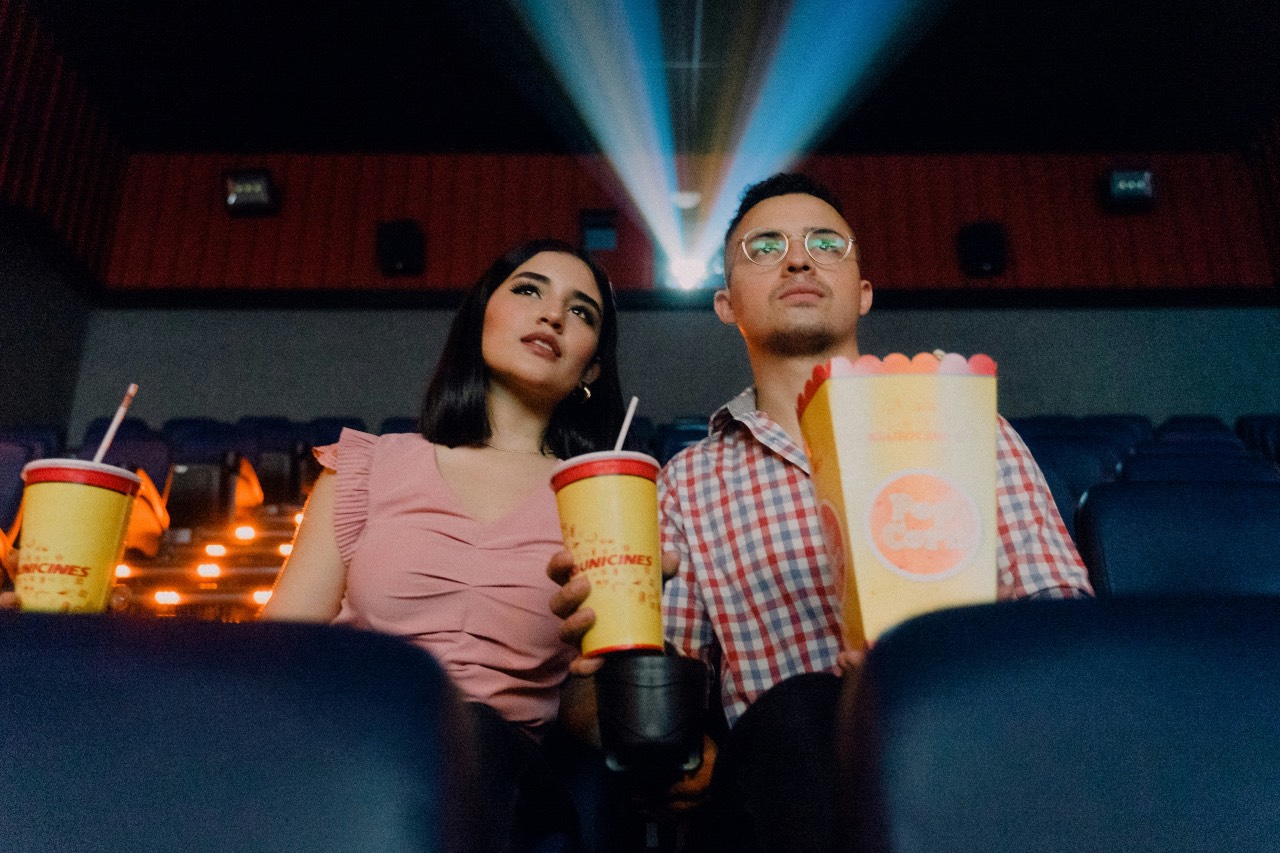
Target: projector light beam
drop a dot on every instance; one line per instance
(787, 70)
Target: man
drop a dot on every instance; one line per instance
(752, 594)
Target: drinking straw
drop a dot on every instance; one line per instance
(115, 422)
(626, 423)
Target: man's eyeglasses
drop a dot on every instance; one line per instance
(767, 247)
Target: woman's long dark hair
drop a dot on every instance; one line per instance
(455, 413)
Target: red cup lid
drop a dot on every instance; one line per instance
(604, 463)
(81, 471)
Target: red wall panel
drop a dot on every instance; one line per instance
(1208, 227)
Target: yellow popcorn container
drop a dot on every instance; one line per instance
(903, 457)
(73, 522)
(608, 506)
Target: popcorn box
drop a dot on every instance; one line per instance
(903, 458)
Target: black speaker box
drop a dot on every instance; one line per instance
(402, 248)
(982, 249)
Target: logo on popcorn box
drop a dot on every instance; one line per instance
(924, 526)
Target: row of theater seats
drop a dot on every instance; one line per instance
(1077, 454)
(194, 461)
(1147, 724)
(195, 464)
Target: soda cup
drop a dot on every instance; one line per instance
(608, 505)
(74, 518)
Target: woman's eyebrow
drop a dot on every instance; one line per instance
(536, 276)
(578, 294)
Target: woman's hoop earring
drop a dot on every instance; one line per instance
(586, 391)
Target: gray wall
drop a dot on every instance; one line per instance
(43, 317)
(374, 364)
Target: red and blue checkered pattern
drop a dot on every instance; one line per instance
(754, 597)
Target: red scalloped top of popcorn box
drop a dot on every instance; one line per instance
(951, 364)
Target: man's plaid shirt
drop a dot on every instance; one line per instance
(754, 597)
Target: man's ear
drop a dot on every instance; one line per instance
(592, 373)
(864, 298)
(724, 309)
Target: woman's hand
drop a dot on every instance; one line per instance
(567, 603)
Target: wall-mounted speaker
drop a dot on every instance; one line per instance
(402, 248)
(982, 249)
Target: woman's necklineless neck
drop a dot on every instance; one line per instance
(541, 453)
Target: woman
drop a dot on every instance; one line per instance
(443, 538)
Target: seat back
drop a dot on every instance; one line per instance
(148, 452)
(13, 456)
(45, 439)
(1083, 461)
(1062, 726)
(165, 735)
(1200, 467)
(275, 446)
(200, 440)
(1174, 538)
(329, 430)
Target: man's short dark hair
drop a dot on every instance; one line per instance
(783, 183)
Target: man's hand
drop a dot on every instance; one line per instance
(568, 599)
(850, 661)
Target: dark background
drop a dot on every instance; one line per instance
(454, 76)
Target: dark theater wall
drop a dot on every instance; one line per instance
(1208, 229)
(58, 158)
(59, 169)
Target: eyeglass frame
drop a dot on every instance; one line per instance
(786, 247)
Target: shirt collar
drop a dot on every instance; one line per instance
(742, 410)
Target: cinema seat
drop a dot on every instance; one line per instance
(1067, 726)
(13, 457)
(1198, 467)
(164, 735)
(1181, 538)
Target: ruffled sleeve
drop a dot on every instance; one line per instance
(352, 459)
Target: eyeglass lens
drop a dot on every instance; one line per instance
(826, 247)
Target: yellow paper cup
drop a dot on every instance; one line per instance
(608, 506)
(73, 523)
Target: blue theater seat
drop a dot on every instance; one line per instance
(275, 445)
(1133, 429)
(130, 427)
(1261, 433)
(200, 440)
(47, 440)
(150, 452)
(1198, 467)
(1035, 426)
(1083, 461)
(327, 430)
(1067, 726)
(671, 438)
(13, 456)
(124, 735)
(1192, 423)
(1181, 538)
